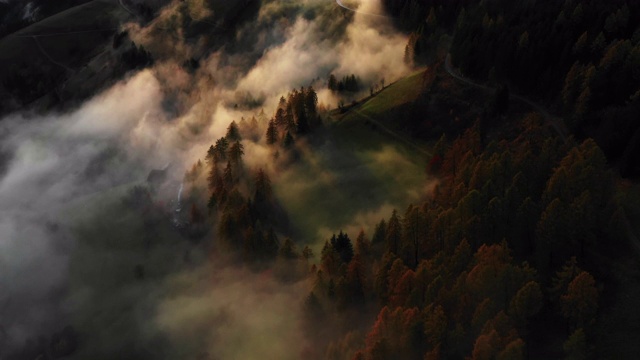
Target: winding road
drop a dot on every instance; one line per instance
(342, 5)
(555, 122)
(46, 54)
(122, 5)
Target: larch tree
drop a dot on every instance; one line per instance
(527, 302)
(580, 302)
(576, 347)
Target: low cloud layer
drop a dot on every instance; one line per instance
(53, 161)
(68, 172)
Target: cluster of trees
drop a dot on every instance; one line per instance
(135, 57)
(242, 208)
(296, 115)
(502, 259)
(582, 57)
(119, 38)
(349, 83)
(410, 15)
(26, 81)
(241, 201)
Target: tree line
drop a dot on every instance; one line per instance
(511, 252)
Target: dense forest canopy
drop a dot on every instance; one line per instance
(403, 179)
(578, 57)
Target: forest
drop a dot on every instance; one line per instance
(477, 197)
(510, 257)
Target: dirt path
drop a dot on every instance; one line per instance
(68, 33)
(122, 5)
(342, 5)
(392, 133)
(52, 60)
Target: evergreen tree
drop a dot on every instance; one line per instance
(235, 153)
(272, 133)
(342, 244)
(311, 101)
(263, 187)
(332, 83)
(233, 133)
(287, 142)
(221, 147)
(393, 234)
(302, 124)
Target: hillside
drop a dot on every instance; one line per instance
(37, 60)
(177, 183)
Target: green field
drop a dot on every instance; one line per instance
(374, 122)
(383, 106)
(362, 172)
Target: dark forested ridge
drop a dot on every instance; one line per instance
(509, 258)
(511, 255)
(581, 58)
(500, 263)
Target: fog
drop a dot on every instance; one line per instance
(70, 249)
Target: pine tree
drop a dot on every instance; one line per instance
(310, 101)
(279, 119)
(332, 83)
(235, 153)
(393, 233)
(221, 147)
(302, 124)
(330, 259)
(263, 187)
(233, 133)
(342, 244)
(287, 142)
(288, 250)
(211, 155)
(228, 175)
(272, 133)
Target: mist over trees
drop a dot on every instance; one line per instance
(519, 242)
(348, 83)
(467, 272)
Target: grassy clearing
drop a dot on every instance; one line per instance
(374, 124)
(342, 185)
(361, 173)
(384, 105)
(397, 94)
